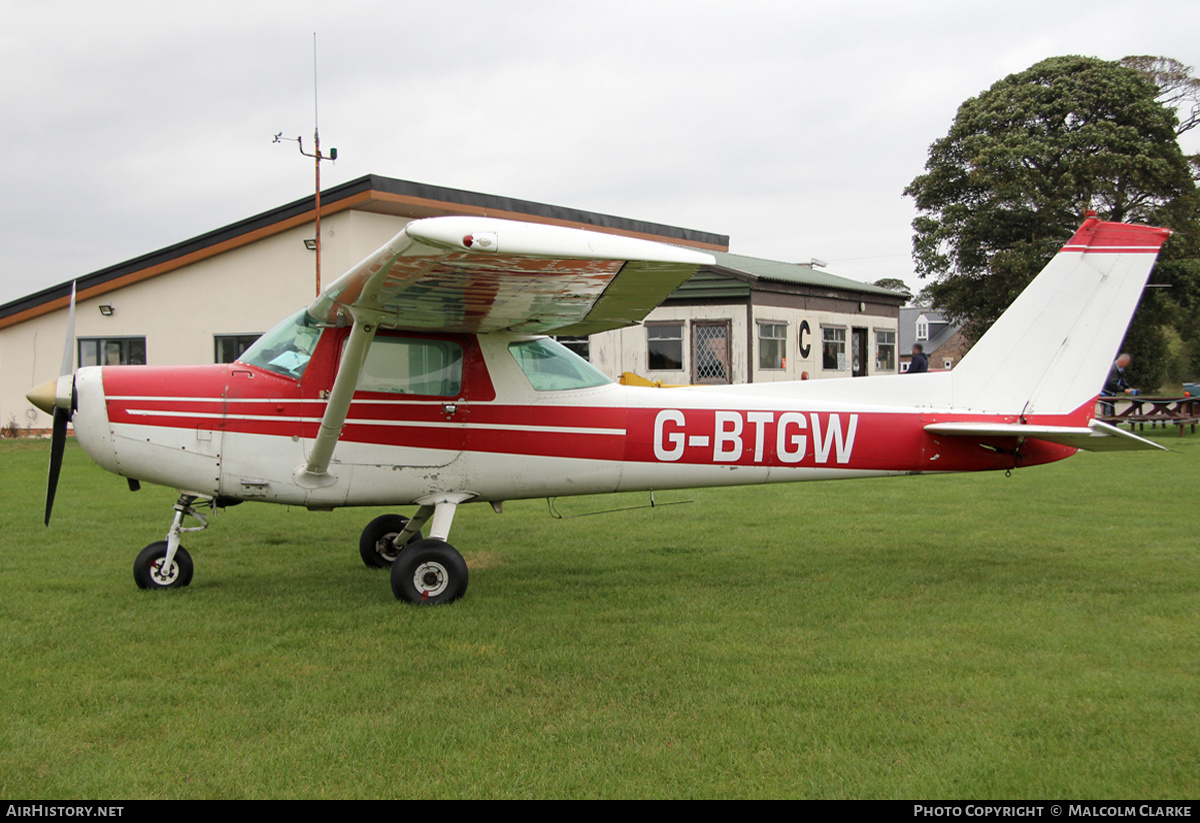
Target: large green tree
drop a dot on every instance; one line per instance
(1177, 87)
(1021, 166)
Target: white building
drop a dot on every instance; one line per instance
(205, 299)
(749, 320)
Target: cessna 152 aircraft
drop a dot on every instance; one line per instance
(420, 378)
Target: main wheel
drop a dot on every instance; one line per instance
(149, 573)
(377, 546)
(429, 571)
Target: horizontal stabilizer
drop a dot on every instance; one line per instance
(1097, 436)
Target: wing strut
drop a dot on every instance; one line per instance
(354, 355)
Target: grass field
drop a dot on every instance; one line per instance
(969, 636)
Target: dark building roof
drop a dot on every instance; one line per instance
(369, 193)
(734, 275)
(799, 273)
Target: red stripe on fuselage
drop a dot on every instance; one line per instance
(193, 398)
(850, 440)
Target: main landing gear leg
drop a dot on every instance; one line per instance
(431, 571)
(166, 564)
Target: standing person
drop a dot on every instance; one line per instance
(920, 363)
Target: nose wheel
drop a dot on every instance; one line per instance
(151, 570)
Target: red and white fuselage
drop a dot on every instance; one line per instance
(240, 432)
(244, 432)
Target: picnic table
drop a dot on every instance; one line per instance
(1138, 410)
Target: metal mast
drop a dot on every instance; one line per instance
(317, 158)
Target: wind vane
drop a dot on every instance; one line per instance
(317, 158)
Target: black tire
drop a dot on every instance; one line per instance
(376, 547)
(429, 572)
(147, 568)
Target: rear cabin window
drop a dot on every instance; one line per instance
(405, 365)
(551, 366)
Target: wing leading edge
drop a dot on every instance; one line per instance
(478, 275)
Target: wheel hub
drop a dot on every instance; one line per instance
(387, 547)
(161, 576)
(431, 579)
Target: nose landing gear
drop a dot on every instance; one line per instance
(165, 564)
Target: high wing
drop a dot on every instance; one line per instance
(478, 275)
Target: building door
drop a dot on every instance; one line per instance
(710, 352)
(859, 351)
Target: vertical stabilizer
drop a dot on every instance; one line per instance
(1050, 352)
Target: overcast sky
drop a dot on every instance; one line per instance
(793, 127)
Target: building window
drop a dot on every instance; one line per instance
(229, 347)
(666, 347)
(922, 328)
(112, 351)
(885, 351)
(772, 346)
(579, 345)
(833, 349)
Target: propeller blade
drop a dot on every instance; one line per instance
(68, 361)
(58, 442)
(58, 434)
